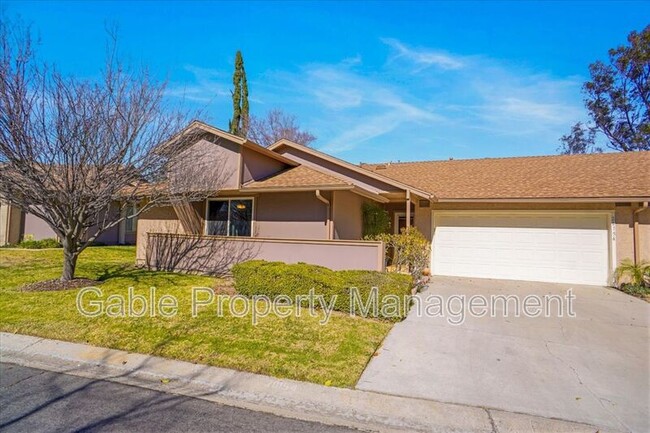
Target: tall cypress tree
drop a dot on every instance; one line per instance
(239, 123)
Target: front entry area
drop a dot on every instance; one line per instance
(556, 247)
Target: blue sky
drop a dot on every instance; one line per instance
(373, 81)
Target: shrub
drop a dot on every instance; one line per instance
(408, 251)
(259, 277)
(375, 220)
(38, 245)
(635, 290)
(636, 274)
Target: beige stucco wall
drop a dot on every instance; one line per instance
(155, 220)
(347, 215)
(295, 215)
(37, 229)
(4, 223)
(521, 206)
(422, 220)
(257, 166)
(625, 233)
(214, 164)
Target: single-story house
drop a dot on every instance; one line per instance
(568, 219)
(17, 225)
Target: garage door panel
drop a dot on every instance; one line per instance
(556, 248)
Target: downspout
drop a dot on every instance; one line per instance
(329, 207)
(635, 219)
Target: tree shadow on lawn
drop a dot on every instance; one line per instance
(140, 275)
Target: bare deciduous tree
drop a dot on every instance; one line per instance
(76, 153)
(275, 126)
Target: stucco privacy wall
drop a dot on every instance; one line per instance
(161, 220)
(215, 254)
(347, 215)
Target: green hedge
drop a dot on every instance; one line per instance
(38, 245)
(259, 277)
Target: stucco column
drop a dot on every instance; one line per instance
(408, 209)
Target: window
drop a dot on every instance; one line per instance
(229, 217)
(131, 221)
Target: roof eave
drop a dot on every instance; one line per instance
(298, 189)
(545, 199)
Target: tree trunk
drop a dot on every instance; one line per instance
(69, 262)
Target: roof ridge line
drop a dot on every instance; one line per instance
(597, 154)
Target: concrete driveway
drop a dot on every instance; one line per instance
(593, 368)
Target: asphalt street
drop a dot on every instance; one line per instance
(33, 400)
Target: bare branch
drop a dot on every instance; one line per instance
(77, 153)
(276, 126)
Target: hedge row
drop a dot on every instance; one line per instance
(259, 277)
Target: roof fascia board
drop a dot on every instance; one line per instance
(298, 189)
(372, 196)
(543, 200)
(197, 124)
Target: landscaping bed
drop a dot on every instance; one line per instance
(259, 277)
(293, 347)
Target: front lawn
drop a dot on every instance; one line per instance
(292, 347)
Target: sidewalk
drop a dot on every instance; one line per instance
(306, 401)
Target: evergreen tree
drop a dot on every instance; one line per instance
(618, 100)
(238, 125)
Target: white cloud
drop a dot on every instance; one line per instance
(424, 57)
(352, 108)
(206, 86)
(441, 102)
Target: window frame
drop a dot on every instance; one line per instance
(133, 219)
(229, 199)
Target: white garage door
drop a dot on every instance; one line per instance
(552, 247)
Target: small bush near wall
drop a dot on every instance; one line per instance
(634, 278)
(259, 277)
(408, 251)
(37, 245)
(375, 220)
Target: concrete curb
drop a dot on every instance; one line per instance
(306, 401)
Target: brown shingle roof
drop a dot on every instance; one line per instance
(297, 177)
(607, 175)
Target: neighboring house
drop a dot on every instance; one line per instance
(16, 225)
(568, 219)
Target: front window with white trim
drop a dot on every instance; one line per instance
(229, 217)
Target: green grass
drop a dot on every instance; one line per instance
(293, 347)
